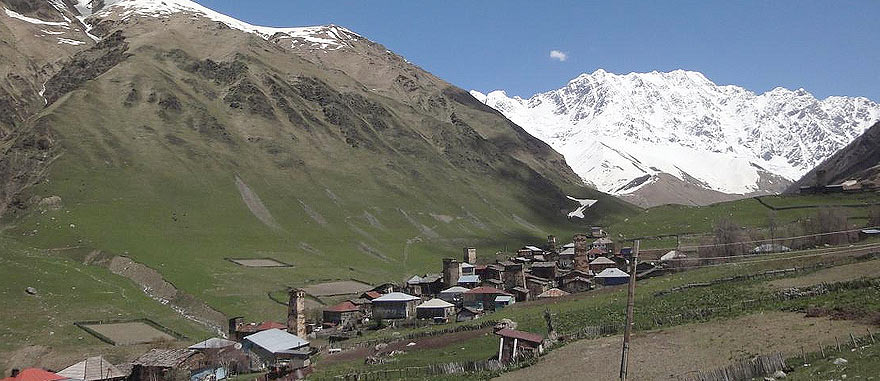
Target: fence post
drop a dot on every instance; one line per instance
(853, 338)
(821, 349)
(871, 335)
(838, 343)
(803, 355)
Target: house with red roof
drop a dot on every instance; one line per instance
(342, 314)
(482, 298)
(33, 374)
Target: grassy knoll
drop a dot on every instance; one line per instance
(862, 364)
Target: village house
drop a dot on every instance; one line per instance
(517, 344)
(430, 284)
(93, 369)
(279, 349)
(502, 301)
(33, 374)
(468, 269)
(370, 295)
(453, 294)
(482, 298)
(576, 283)
(546, 270)
(166, 364)
(238, 329)
(520, 293)
(395, 305)
(493, 274)
(364, 306)
(604, 244)
(436, 309)
(537, 285)
(344, 314)
(513, 275)
(612, 276)
(469, 281)
(597, 232)
(221, 358)
(601, 263)
(467, 314)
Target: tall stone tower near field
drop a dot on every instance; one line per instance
(451, 271)
(296, 313)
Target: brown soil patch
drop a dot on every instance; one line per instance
(342, 287)
(131, 333)
(676, 352)
(868, 269)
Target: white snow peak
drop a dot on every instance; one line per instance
(619, 131)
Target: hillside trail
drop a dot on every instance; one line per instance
(672, 353)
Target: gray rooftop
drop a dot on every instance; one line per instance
(276, 341)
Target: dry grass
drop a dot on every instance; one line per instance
(678, 351)
(868, 269)
(131, 333)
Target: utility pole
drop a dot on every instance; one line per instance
(627, 330)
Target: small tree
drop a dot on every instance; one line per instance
(727, 238)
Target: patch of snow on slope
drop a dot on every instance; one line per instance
(585, 203)
(321, 37)
(70, 42)
(32, 20)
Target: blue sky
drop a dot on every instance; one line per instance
(826, 47)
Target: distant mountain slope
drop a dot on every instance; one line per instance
(859, 161)
(183, 137)
(622, 133)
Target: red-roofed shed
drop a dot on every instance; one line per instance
(515, 344)
(34, 374)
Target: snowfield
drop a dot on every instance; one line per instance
(619, 131)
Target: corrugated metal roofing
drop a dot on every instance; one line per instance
(486, 290)
(469, 279)
(164, 358)
(503, 298)
(214, 342)
(346, 306)
(395, 297)
(34, 374)
(276, 340)
(602, 261)
(454, 290)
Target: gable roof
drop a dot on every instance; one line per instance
(414, 280)
(520, 335)
(553, 293)
(454, 290)
(164, 358)
(35, 374)
(346, 306)
(436, 303)
(532, 248)
(276, 340)
(92, 369)
(567, 251)
(602, 241)
(602, 261)
(544, 264)
(214, 342)
(612, 272)
(595, 250)
(504, 298)
(395, 297)
(486, 290)
(371, 295)
(270, 325)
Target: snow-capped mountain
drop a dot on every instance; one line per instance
(622, 133)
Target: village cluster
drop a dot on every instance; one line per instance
(464, 290)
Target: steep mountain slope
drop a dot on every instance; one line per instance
(639, 135)
(858, 161)
(184, 137)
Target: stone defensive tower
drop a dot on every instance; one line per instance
(296, 314)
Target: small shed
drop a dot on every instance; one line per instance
(435, 308)
(396, 305)
(93, 369)
(515, 344)
(502, 301)
(612, 276)
(467, 314)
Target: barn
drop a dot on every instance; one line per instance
(395, 305)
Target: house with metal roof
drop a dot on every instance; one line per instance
(395, 305)
(502, 301)
(453, 294)
(434, 309)
(469, 281)
(601, 263)
(279, 348)
(482, 298)
(612, 276)
(515, 344)
(345, 313)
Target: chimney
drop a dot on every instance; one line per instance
(551, 243)
(233, 327)
(470, 255)
(451, 271)
(296, 314)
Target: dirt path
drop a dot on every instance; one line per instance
(672, 353)
(868, 269)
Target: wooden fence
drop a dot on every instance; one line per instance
(743, 370)
(416, 372)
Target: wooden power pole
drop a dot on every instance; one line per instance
(627, 330)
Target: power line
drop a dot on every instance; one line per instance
(761, 240)
(847, 250)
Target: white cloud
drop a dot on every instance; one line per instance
(558, 55)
